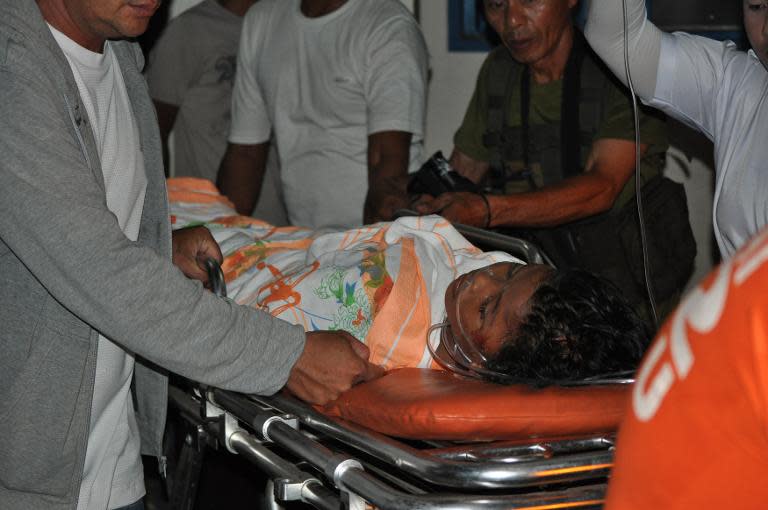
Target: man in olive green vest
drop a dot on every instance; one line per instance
(549, 138)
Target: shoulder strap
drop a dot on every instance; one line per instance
(501, 76)
(570, 125)
(596, 84)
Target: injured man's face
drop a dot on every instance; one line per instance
(486, 306)
(529, 323)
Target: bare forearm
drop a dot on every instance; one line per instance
(576, 198)
(388, 159)
(241, 174)
(385, 199)
(605, 33)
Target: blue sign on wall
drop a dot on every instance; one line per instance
(467, 29)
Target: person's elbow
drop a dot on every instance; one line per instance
(606, 194)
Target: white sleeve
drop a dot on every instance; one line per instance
(679, 73)
(605, 33)
(396, 77)
(250, 120)
(691, 77)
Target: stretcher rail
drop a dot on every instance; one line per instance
(285, 475)
(494, 240)
(274, 429)
(439, 471)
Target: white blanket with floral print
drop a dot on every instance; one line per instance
(383, 283)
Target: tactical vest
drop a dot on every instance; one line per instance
(607, 244)
(554, 151)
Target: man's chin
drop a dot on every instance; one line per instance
(133, 28)
(523, 51)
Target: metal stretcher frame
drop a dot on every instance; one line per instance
(513, 245)
(346, 465)
(494, 240)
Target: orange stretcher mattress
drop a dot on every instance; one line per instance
(433, 404)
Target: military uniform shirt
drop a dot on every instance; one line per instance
(545, 110)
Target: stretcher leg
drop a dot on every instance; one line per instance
(186, 476)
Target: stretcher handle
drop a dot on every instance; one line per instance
(216, 277)
(520, 248)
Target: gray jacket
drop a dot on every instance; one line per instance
(67, 271)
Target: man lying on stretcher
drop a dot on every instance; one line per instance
(389, 283)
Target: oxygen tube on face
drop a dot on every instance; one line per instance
(641, 219)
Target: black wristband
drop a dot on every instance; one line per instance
(487, 209)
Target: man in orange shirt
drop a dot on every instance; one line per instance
(695, 436)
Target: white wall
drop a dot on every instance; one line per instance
(453, 80)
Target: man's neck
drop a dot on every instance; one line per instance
(56, 14)
(552, 67)
(238, 7)
(317, 8)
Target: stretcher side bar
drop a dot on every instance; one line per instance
(382, 496)
(512, 451)
(441, 472)
(357, 481)
(284, 473)
(513, 245)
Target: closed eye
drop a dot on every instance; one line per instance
(484, 308)
(494, 4)
(514, 268)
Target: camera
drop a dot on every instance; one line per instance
(436, 177)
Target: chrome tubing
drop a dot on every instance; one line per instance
(509, 451)
(286, 475)
(441, 472)
(513, 245)
(357, 481)
(382, 496)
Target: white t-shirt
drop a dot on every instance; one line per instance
(192, 66)
(722, 92)
(323, 85)
(113, 475)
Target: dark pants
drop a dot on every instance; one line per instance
(139, 505)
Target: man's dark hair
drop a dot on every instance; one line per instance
(579, 326)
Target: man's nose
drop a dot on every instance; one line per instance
(513, 16)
